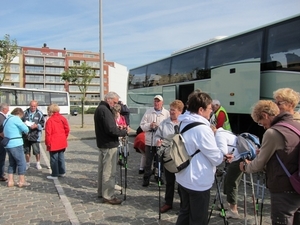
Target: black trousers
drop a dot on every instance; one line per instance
(194, 207)
(170, 187)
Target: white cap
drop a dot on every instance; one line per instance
(159, 97)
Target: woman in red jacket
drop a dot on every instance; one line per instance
(56, 134)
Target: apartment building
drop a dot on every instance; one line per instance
(41, 68)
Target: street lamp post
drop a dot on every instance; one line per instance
(101, 53)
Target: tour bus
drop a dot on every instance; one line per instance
(237, 70)
(21, 97)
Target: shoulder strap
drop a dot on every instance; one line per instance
(291, 127)
(6, 122)
(189, 126)
(294, 129)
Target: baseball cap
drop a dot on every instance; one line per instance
(159, 97)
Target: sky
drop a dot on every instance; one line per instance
(134, 32)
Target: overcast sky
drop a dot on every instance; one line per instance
(135, 32)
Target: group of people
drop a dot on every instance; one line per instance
(216, 143)
(23, 130)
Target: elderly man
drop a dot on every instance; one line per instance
(222, 119)
(107, 134)
(34, 118)
(4, 108)
(149, 124)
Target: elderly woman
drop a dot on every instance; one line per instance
(166, 128)
(285, 201)
(287, 99)
(56, 135)
(13, 128)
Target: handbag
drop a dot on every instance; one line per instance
(295, 177)
(5, 140)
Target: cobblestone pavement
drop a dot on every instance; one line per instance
(73, 199)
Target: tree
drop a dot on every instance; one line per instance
(8, 51)
(81, 75)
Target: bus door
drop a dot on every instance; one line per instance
(237, 87)
(184, 91)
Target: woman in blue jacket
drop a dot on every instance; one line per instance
(13, 129)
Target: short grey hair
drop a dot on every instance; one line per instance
(216, 102)
(3, 106)
(111, 95)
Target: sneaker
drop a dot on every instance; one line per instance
(118, 187)
(141, 171)
(231, 214)
(51, 178)
(62, 175)
(38, 166)
(27, 166)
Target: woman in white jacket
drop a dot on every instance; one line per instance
(196, 180)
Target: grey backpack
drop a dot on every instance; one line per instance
(173, 152)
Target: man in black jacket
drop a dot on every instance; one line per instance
(107, 134)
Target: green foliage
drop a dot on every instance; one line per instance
(81, 75)
(90, 110)
(8, 51)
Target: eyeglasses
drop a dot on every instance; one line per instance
(259, 124)
(280, 103)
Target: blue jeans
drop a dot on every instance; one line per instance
(57, 162)
(2, 160)
(16, 159)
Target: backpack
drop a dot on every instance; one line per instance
(246, 145)
(173, 152)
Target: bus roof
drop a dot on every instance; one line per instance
(218, 39)
(31, 89)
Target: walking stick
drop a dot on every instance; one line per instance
(257, 194)
(245, 199)
(126, 154)
(220, 199)
(159, 182)
(262, 198)
(218, 193)
(253, 199)
(120, 162)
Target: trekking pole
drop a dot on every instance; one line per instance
(126, 153)
(120, 164)
(159, 181)
(245, 199)
(253, 199)
(257, 193)
(262, 199)
(223, 214)
(216, 195)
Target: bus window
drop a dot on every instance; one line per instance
(43, 98)
(283, 46)
(189, 66)
(248, 46)
(23, 98)
(158, 73)
(137, 78)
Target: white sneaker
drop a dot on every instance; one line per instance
(231, 214)
(27, 166)
(38, 166)
(118, 188)
(51, 178)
